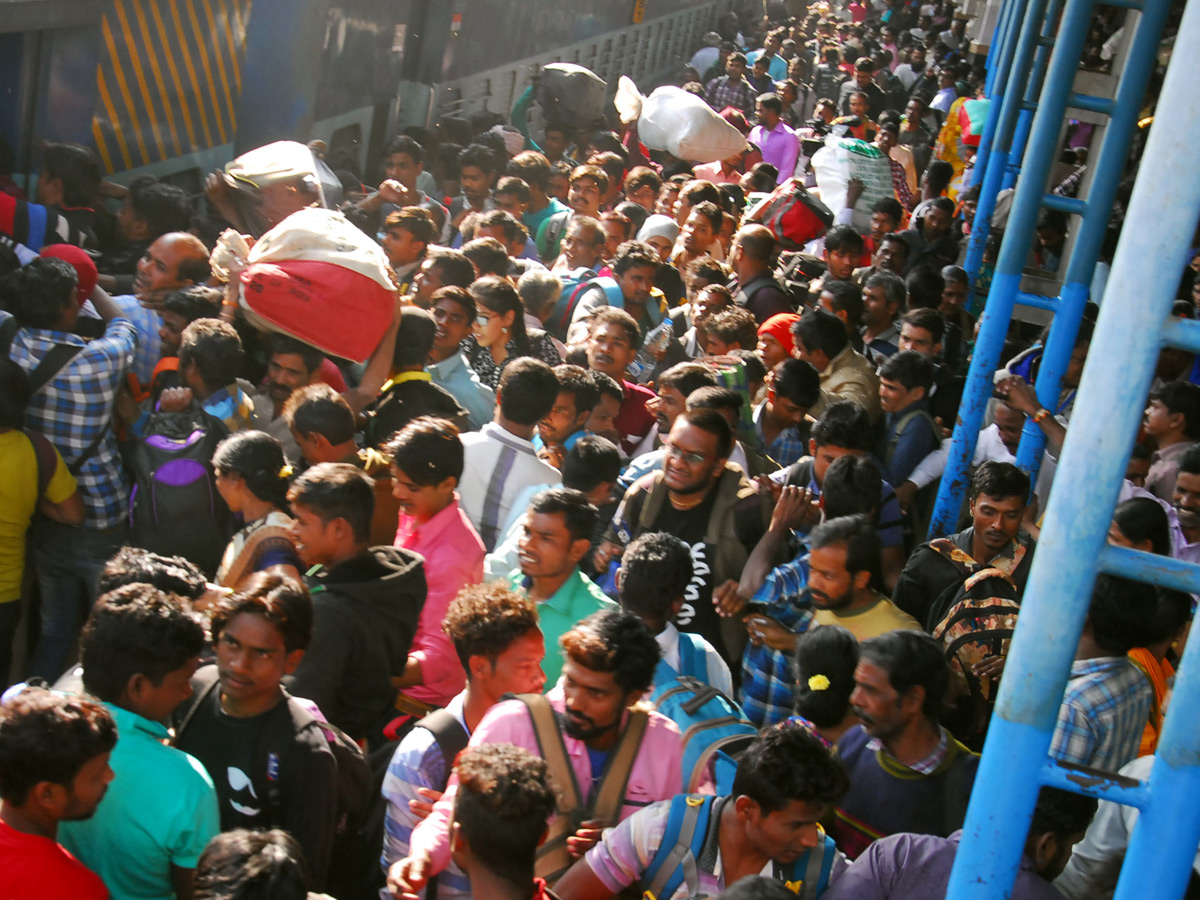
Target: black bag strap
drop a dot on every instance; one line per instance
(8, 331)
(204, 682)
(57, 359)
(47, 460)
(450, 735)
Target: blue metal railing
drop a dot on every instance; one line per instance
(1154, 248)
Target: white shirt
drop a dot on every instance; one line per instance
(497, 467)
(989, 447)
(718, 670)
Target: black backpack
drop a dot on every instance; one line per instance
(174, 507)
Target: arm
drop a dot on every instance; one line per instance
(69, 512)
(581, 883)
(795, 509)
(1021, 396)
(105, 305)
(378, 366)
(310, 812)
(181, 882)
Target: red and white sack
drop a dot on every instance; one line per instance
(318, 278)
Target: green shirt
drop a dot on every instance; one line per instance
(577, 599)
(160, 810)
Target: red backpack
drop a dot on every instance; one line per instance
(795, 216)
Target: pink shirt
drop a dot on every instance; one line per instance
(453, 555)
(655, 775)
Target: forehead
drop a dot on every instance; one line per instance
(292, 361)
(831, 556)
(546, 523)
(868, 673)
(688, 437)
(1188, 481)
(915, 333)
(612, 332)
(589, 678)
(1003, 504)
(255, 630)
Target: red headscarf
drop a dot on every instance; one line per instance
(779, 326)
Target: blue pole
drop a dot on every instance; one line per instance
(994, 147)
(1114, 151)
(1033, 89)
(997, 314)
(1154, 249)
(1010, 14)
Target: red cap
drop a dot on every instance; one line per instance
(779, 326)
(82, 263)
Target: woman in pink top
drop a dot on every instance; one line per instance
(427, 462)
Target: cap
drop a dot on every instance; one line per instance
(83, 264)
(659, 226)
(779, 326)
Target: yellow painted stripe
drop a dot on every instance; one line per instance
(180, 99)
(102, 145)
(202, 44)
(230, 110)
(232, 44)
(140, 77)
(166, 98)
(123, 87)
(111, 109)
(177, 21)
(241, 14)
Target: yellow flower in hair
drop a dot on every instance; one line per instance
(285, 472)
(818, 683)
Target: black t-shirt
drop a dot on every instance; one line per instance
(689, 525)
(236, 754)
(406, 401)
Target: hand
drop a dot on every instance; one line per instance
(992, 667)
(767, 486)
(587, 837)
(554, 454)
(947, 432)
(422, 808)
(175, 399)
(1019, 395)
(393, 191)
(796, 508)
(605, 554)
(854, 190)
(125, 408)
(905, 494)
(219, 194)
(406, 878)
(765, 630)
(727, 600)
(213, 593)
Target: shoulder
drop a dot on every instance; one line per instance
(661, 726)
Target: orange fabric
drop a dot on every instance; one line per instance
(1159, 674)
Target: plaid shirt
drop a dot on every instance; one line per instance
(76, 406)
(789, 445)
(149, 345)
(926, 766)
(767, 676)
(722, 92)
(900, 185)
(1103, 713)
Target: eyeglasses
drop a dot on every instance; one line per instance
(482, 320)
(692, 459)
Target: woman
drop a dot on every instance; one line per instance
(825, 661)
(252, 479)
(500, 333)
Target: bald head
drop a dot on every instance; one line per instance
(757, 243)
(175, 260)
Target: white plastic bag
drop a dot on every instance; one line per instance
(685, 126)
(844, 158)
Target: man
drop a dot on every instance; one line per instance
(712, 507)
(699, 235)
(210, 360)
(999, 492)
(905, 380)
(674, 387)
(534, 169)
(844, 300)
(911, 866)
(556, 534)
(497, 640)
(610, 662)
(887, 139)
(781, 420)
(1186, 502)
(366, 600)
(407, 234)
(260, 635)
(910, 71)
(567, 421)
(410, 393)
(886, 216)
(67, 183)
(454, 314)
(476, 175)
(843, 250)
(931, 238)
(500, 459)
(440, 268)
(923, 330)
(776, 64)
(582, 246)
(291, 365)
(907, 773)
(821, 340)
(883, 295)
(768, 824)
(758, 291)
(612, 345)
(602, 421)
(1108, 698)
(54, 753)
(891, 255)
(588, 185)
(862, 83)
(778, 143)
(140, 649)
(404, 164)
(730, 330)
(73, 408)
(1173, 422)
(732, 88)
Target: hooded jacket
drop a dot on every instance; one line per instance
(365, 613)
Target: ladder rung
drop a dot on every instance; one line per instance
(1094, 783)
(1046, 40)
(1087, 102)
(1151, 568)
(1182, 333)
(1070, 205)
(1038, 301)
(1029, 106)
(1127, 4)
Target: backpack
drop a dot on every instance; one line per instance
(679, 855)
(575, 283)
(715, 730)
(692, 662)
(354, 784)
(978, 622)
(174, 507)
(553, 859)
(794, 216)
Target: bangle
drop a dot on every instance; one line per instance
(1040, 415)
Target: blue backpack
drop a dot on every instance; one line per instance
(714, 727)
(678, 855)
(575, 283)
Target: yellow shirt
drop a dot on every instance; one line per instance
(18, 500)
(879, 618)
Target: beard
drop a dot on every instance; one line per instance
(581, 728)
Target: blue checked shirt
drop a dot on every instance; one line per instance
(1103, 713)
(76, 405)
(789, 446)
(767, 676)
(149, 344)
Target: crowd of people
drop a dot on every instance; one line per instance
(280, 623)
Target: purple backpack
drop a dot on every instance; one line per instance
(174, 508)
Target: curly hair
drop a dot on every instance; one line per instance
(282, 601)
(785, 764)
(484, 620)
(615, 641)
(247, 865)
(172, 574)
